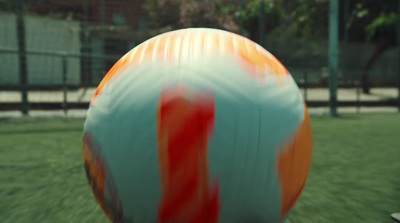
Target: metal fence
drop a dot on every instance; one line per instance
(53, 54)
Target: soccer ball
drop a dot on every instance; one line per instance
(197, 126)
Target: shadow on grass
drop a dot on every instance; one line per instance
(339, 117)
(40, 131)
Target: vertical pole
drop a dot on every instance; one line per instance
(333, 53)
(85, 76)
(65, 87)
(261, 23)
(23, 79)
(102, 12)
(305, 86)
(242, 7)
(346, 17)
(398, 52)
(358, 89)
(100, 43)
(85, 12)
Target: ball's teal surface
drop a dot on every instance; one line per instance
(197, 126)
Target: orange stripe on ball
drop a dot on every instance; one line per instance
(294, 166)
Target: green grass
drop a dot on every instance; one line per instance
(355, 174)
(42, 177)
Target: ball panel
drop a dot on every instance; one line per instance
(135, 95)
(251, 121)
(185, 122)
(244, 161)
(126, 129)
(178, 46)
(294, 164)
(243, 150)
(101, 180)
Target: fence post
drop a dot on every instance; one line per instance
(398, 53)
(333, 54)
(242, 7)
(261, 23)
(358, 91)
(85, 49)
(23, 79)
(65, 87)
(305, 86)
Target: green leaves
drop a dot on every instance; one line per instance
(163, 13)
(248, 17)
(189, 13)
(383, 26)
(7, 5)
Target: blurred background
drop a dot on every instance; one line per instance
(53, 53)
(343, 54)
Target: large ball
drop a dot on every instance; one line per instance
(197, 126)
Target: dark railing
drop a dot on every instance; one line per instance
(308, 87)
(63, 86)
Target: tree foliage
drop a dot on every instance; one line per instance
(383, 26)
(369, 19)
(7, 5)
(308, 19)
(248, 17)
(190, 13)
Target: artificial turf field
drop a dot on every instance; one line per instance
(355, 173)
